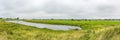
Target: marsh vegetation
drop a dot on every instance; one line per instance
(91, 30)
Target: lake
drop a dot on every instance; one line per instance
(49, 26)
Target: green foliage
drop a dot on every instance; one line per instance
(95, 24)
(92, 30)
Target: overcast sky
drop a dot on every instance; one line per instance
(60, 9)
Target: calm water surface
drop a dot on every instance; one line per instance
(49, 26)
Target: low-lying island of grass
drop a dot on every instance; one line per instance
(85, 25)
(91, 30)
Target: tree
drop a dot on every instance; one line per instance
(52, 19)
(1, 18)
(17, 18)
(72, 19)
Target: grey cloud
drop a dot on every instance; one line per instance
(65, 8)
(106, 9)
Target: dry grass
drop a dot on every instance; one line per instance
(12, 31)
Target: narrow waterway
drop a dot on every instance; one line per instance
(49, 26)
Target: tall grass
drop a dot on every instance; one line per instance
(12, 31)
(93, 30)
(87, 25)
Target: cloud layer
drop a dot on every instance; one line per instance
(60, 9)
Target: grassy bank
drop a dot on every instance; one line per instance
(12, 31)
(91, 31)
(94, 29)
(85, 25)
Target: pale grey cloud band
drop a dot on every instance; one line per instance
(60, 8)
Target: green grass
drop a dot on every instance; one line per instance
(86, 25)
(12, 31)
(92, 30)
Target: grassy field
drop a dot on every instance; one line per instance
(92, 30)
(85, 25)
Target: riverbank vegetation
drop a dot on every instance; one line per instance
(94, 28)
(84, 24)
(91, 30)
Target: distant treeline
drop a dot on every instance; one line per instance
(17, 18)
(76, 19)
(10, 18)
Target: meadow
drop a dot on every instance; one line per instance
(84, 24)
(91, 30)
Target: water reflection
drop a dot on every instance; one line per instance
(49, 26)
